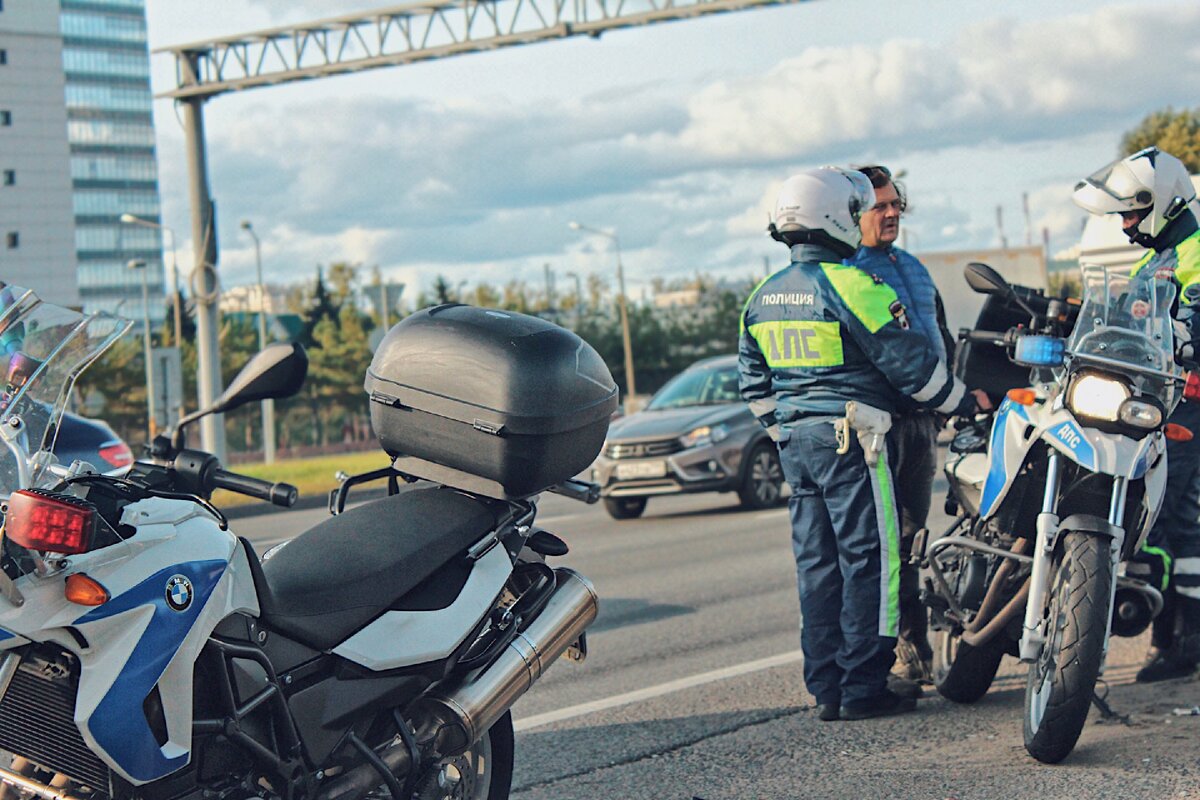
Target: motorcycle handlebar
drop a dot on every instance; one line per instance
(987, 337)
(280, 494)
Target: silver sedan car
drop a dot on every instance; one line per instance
(695, 435)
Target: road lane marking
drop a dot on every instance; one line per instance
(556, 519)
(651, 692)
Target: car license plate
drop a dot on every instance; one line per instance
(642, 469)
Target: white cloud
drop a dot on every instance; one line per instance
(1001, 77)
(479, 186)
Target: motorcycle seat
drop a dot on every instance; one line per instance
(334, 578)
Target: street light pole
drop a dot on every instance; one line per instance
(130, 219)
(620, 302)
(268, 405)
(151, 425)
(578, 300)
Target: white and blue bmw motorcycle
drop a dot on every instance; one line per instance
(1061, 489)
(147, 652)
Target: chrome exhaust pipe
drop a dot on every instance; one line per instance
(37, 788)
(456, 713)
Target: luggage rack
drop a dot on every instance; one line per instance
(411, 469)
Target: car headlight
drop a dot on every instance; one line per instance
(704, 435)
(1097, 396)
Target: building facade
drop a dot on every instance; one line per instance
(110, 128)
(37, 231)
(78, 75)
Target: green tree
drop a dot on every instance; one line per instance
(1176, 132)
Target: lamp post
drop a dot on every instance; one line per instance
(578, 300)
(130, 219)
(575, 226)
(268, 405)
(141, 265)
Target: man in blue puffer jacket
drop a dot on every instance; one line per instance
(915, 428)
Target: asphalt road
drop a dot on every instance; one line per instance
(693, 686)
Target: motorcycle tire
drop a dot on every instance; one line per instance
(1058, 693)
(762, 482)
(962, 673)
(624, 507)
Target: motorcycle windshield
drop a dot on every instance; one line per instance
(43, 350)
(1124, 325)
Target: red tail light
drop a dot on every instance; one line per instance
(56, 523)
(1191, 389)
(117, 453)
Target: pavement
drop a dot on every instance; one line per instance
(693, 686)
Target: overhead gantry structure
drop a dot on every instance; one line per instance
(353, 43)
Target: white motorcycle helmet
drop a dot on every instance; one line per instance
(1149, 181)
(822, 207)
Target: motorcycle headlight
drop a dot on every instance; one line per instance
(704, 435)
(1140, 414)
(1097, 396)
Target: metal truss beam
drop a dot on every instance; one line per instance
(410, 33)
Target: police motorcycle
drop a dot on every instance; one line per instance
(1053, 491)
(147, 652)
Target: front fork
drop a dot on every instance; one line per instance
(1034, 630)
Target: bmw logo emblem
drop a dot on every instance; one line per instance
(179, 592)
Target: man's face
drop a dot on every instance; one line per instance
(880, 224)
(1131, 219)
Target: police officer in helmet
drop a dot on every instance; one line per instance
(1152, 192)
(825, 355)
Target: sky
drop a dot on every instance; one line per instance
(675, 137)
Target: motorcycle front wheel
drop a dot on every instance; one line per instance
(1058, 693)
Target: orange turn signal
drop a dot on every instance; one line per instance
(1022, 397)
(86, 591)
(1178, 433)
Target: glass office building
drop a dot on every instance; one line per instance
(110, 130)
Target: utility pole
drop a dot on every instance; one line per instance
(551, 310)
(1000, 227)
(268, 405)
(621, 302)
(1028, 223)
(206, 287)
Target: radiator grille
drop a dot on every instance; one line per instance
(663, 447)
(36, 721)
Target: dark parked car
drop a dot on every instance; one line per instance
(91, 440)
(695, 435)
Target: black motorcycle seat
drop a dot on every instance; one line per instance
(334, 578)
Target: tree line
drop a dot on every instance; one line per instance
(337, 320)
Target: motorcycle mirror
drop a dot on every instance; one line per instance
(276, 372)
(985, 280)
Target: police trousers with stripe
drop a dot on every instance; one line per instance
(845, 536)
(1173, 546)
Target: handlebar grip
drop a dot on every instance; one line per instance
(986, 337)
(280, 494)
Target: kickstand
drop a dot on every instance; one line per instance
(1100, 701)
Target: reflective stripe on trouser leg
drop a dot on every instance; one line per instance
(1186, 576)
(889, 547)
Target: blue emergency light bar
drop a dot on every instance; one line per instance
(1039, 351)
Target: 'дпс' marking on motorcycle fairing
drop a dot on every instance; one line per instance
(146, 652)
(1062, 491)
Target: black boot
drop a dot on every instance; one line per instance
(1180, 660)
(1180, 656)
